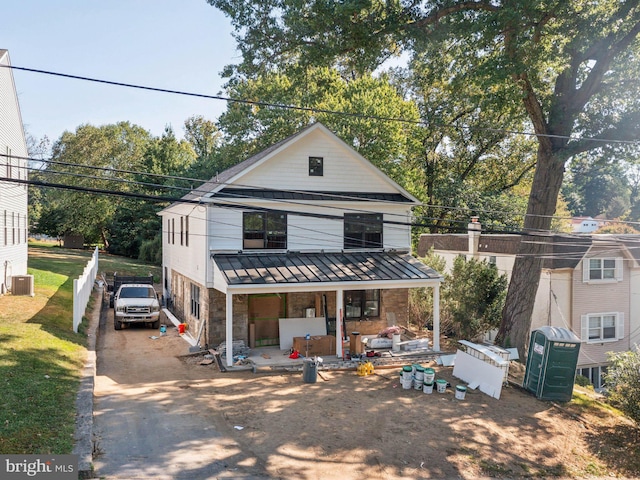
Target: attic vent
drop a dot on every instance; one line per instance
(22, 285)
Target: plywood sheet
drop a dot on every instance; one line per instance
(299, 327)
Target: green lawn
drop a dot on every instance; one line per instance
(40, 356)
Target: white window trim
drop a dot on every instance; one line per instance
(584, 324)
(586, 270)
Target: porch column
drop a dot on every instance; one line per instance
(436, 317)
(339, 320)
(229, 327)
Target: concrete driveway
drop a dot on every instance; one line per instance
(149, 422)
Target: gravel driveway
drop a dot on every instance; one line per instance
(147, 422)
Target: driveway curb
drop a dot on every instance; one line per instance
(83, 435)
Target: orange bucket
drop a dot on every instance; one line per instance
(181, 328)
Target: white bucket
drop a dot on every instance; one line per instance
(407, 373)
(429, 375)
(427, 387)
(407, 384)
(461, 390)
(419, 374)
(442, 385)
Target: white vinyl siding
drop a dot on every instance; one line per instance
(13, 196)
(342, 172)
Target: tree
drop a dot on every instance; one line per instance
(597, 186)
(91, 164)
(622, 382)
(473, 295)
(569, 67)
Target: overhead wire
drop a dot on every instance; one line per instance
(312, 110)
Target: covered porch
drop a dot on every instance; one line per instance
(339, 272)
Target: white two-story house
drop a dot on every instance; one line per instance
(13, 181)
(589, 284)
(308, 228)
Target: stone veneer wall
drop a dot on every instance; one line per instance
(217, 332)
(181, 303)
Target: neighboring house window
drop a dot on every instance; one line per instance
(186, 231)
(602, 327)
(173, 231)
(363, 230)
(264, 230)
(316, 166)
(359, 304)
(181, 231)
(195, 300)
(594, 374)
(6, 226)
(602, 269)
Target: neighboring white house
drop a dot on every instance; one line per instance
(585, 224)
(13, 178)
(308, 228)
(589, 284)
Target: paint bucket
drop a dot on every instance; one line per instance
(461, 390)
(442, 385)
(429, 375)
(406, 384)
(427, 387)
(181, 328)
(418, 377)
(407, 372)
(163, 329)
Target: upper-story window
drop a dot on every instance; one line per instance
(602, 327)
(602, 269)
(264, 230)
(362, 230)
(316, 166)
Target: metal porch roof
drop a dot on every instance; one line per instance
(244, 269)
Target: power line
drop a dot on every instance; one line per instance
(311, 110)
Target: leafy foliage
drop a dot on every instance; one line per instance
(473, 295)
(622, 382)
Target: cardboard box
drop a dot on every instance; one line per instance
(318, 345)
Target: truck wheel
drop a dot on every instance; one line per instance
(155, 324)
(117, 325)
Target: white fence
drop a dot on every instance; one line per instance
(82, 288)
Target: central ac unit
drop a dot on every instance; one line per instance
(22, 285)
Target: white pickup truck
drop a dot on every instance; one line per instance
(136, 303)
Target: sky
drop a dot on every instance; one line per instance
(171, 44)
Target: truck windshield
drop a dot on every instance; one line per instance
(137, 292)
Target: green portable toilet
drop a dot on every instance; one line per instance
(551, 363)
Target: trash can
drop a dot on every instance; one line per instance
(551, 363)
(309, 370)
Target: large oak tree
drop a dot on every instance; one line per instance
(569, 66)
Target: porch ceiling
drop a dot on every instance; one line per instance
(315, 271)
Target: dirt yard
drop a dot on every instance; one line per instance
(348, 426)
(370, 427)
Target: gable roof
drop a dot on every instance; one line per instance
(225, 179)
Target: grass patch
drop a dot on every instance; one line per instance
(41, 358)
